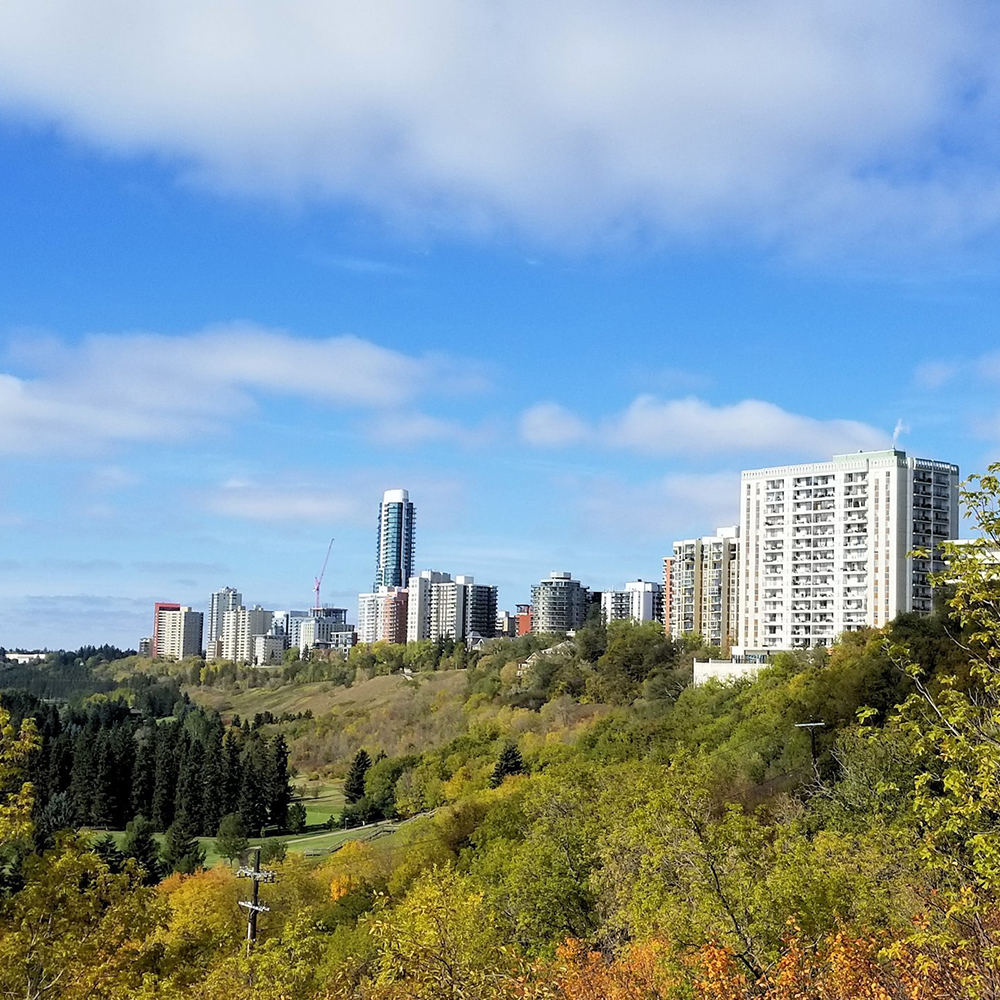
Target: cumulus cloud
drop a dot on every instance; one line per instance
(693, 427)
(795, 122)
(150, 387)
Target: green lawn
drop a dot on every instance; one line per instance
(322, 799)
(310, 842)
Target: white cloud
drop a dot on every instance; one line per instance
(405, 430)
(934, 374)
(345, 500)
(549, 425)
(149, 387)
(676, 506)
(807, 123)
(693, 427)
(259, 503)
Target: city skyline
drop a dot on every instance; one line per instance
(563, 297)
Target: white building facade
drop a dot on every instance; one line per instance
(239, 628)
(221, 601)
(640, 601)
(824, 546)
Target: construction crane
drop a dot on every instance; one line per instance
(317, 581)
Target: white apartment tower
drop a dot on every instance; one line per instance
(219, 603)
(640, 601)
(704, 597)
(824, 546)
(240, 626)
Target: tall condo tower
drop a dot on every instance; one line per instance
(827, 547)
(221, 601)
(394, 560)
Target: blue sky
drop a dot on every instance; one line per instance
(560, 271)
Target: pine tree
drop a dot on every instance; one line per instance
(140, 845)
(213, 790)
(143, 775)
(81, 785)
(106, 848)
(181, 852)
(510, 762)
(188, 800)
(231, 838)
(105, 781)
(279, 789)
(165, 779)
(232, 771)
(253, 792)
(354, 783)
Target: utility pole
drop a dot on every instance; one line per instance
(812, 727)
(252, 906)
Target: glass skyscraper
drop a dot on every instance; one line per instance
(394, 559)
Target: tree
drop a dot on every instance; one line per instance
(231, 840)
(16, 794)
(278, 787)
(273, 850)
(296, 817)
(181, 852)
(107, 850)
(140, 845)
(510, 762)
(354, 784)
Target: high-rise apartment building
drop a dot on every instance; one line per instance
(704, 589)
(824, 546)
(219, 603)
(441, 607)
(240, 626)
(559, 604)
(160, 609)
(382, 615)
(177, 632)
(326, 628)
(396, 521)
(640, 601)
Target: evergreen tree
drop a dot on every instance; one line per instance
(232, 772)
(143, 775)
(189, 797)
(213, 786)
(181, 852)
(105, 781)
(231, 838)
(354, 784)
(296, 817)
(510, 762)
(81, 785)
(123, 747)
(278, 786)
(165, 776)
(106, 848)
(56, 815)
(140, 845)
(253, 791)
